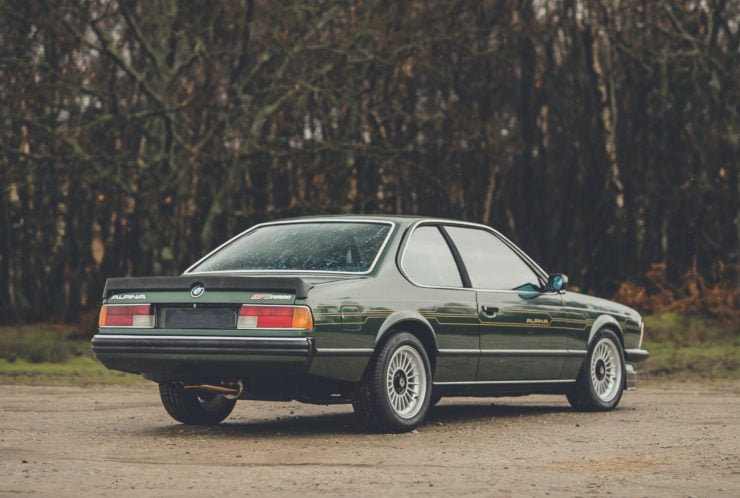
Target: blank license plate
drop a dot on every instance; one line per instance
(200, 318)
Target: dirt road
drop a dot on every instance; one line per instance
(667, 439)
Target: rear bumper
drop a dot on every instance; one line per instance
(200, 358)
(103, 344)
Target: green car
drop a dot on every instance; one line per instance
(390, 313)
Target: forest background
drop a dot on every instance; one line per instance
(602, 136)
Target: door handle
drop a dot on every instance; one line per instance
(489, 311)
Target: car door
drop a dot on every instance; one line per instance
(518, 339)
(442, 299)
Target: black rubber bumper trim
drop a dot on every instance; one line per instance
(197, 345)
(636, 354)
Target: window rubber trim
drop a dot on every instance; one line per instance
(461, 268)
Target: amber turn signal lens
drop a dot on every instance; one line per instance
(302, 318)
(102, 317)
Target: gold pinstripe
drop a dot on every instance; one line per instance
(444, 318)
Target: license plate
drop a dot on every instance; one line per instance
(200, 318)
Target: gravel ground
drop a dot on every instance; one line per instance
(667, 439)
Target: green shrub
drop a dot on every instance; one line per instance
(693, 346)
(40, 343)
(685, 330)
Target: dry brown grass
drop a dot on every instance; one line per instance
(716, 298)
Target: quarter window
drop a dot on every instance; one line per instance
(427, 259)
(491, 264)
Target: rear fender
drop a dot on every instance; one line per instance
(415, 324)
(396, 322)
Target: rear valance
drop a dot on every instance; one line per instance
(295, 285)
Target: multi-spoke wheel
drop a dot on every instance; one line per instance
(406, 382)
(601, 380)
(394, 393)
(194, 408)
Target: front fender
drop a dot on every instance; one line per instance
(605, 321)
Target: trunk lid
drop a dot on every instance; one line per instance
(203, 301)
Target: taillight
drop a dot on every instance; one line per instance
(123, 315)
(274, 317)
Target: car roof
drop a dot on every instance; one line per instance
(399, 219)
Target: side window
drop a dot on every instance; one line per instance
(427, 259)
(491, 264)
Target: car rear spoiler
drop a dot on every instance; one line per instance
(295, 285)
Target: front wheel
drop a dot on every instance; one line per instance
(194, 408)
(395, 392)
(600, 382)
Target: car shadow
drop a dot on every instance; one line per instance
(281, 425)
(347, 424)
(450, 412)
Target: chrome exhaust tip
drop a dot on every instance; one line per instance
(231, 390)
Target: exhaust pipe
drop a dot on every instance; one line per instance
(228, 392)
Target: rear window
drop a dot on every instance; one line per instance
(322, 246)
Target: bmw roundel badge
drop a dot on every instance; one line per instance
(197, 290)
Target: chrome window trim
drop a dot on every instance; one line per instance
(402, 255)
(288, 272)
(538, 271)
(392, 224)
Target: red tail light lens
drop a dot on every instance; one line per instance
(139, 315)
(274, 317)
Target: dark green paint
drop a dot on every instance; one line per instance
(532, 336)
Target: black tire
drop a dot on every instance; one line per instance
(194, 408)
(395, 391)
(601, 380)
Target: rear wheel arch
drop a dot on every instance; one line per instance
(417, 326)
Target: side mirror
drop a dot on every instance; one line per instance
(557, 282)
